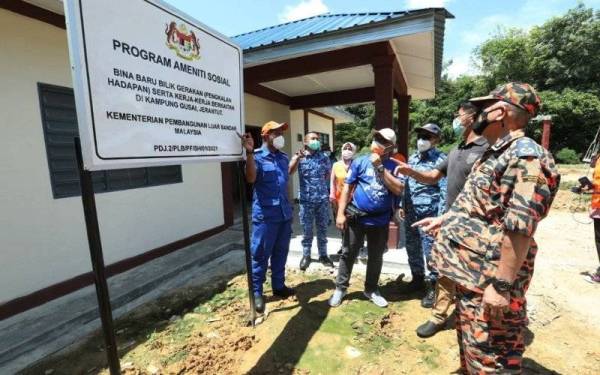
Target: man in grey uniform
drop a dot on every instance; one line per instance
(456, 167)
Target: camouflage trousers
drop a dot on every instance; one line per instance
(317, 214)
(489, 346)
(419, 243)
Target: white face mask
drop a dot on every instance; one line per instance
(279, 142)
(423, 145)
(347, 154)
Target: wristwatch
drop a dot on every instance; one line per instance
(501, 285)
(380, 168)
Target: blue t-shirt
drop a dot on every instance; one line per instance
(370, 194)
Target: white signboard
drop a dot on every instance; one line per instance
(152, 85)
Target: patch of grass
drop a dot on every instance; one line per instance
(430, 354)
(567, 185)
(181, 330)
(176, 357)
(220, 299)
(324, 359)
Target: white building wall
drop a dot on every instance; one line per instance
(42, 239)
(260, 111)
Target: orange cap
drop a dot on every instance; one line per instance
(272, 125)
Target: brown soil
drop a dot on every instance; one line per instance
(204, 331)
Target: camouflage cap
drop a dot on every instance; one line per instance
(521, 95)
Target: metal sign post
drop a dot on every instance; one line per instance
(246, 226)
(93, 234)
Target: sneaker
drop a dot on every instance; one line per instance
(326, 261)
(429, 299)
(304, 263)
(428, 329)
(284, 293)
(376, 298)
(593, 278)
(337, 297)
(363, 254)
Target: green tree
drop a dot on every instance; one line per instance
(505, 57)
(575, 116)
(565, 50)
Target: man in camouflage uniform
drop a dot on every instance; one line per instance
(485, 241)
(421, 201)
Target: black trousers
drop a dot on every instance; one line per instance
(597, 237)
(376, 239)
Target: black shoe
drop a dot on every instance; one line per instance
(429, 329)
(417, 284)
(304, 263)
(429, 299)
(326, 261)
(284, 293)
(259, 304)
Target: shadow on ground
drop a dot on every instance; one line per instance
(531, 367)
(290, 345)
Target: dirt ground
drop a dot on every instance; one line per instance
(205, 331)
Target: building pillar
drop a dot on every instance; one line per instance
(547, 123)
(383, 68)
(403, 124)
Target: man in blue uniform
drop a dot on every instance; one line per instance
(267, 169)
(421, 201)
(313, 173)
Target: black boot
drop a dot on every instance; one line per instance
(284, 293)
(326, 261)
(304, 263)
(259, 304)
(429, 299)
(429, 329)
(417, 284)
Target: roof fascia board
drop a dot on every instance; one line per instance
(335, 40)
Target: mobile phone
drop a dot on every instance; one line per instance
(584, 181)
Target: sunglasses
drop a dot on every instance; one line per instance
(425, 136)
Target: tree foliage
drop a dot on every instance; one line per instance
(565, 50)
(561, 58)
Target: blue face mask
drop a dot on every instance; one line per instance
(314, 144)
(457, 127)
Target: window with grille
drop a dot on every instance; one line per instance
(59, 121)
(324, 138)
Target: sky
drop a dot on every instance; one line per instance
(475, 20)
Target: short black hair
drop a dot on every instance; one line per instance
(468, 107)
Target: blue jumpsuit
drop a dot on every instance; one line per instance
(313, 174)
(421, 201)
(271, 219)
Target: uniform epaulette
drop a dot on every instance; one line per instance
(526, 147)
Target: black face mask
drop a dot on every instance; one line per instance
(481, 122)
